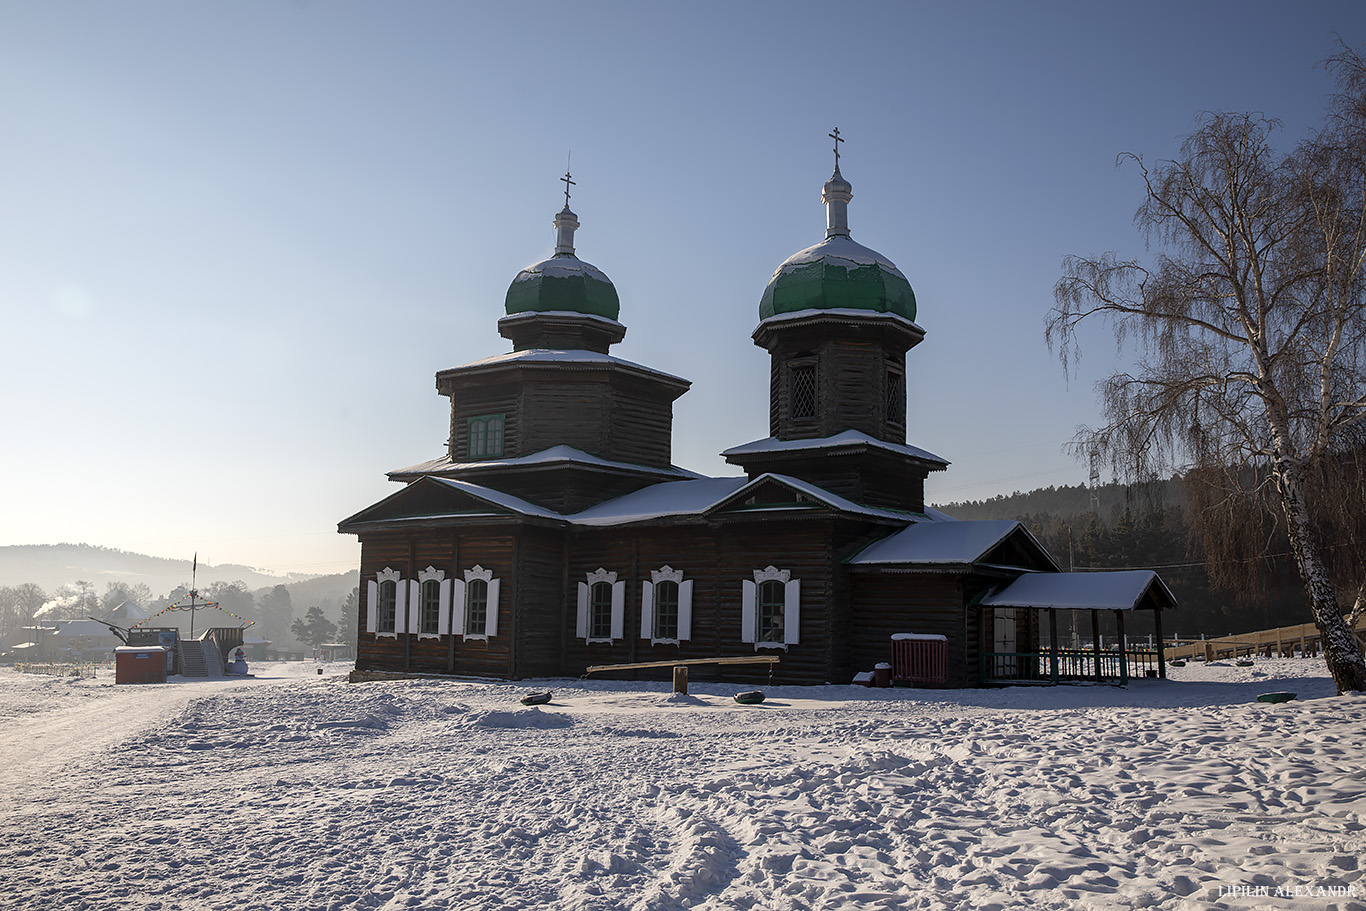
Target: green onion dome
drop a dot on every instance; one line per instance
(837, 273)
(564, 282)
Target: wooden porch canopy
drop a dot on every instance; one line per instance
(1120, 592)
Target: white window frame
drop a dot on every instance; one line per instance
(432, 574)
(749, 614)
(461, 619)
(584, 606)
(388, 574)
(666, 573)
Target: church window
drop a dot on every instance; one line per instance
(431, 599)
(770, 609)
(476, 604)
(600, 611)
(666, 607)
(803, 391)
(601, 608)
(476, 598)
(896, 396)
(388, 591)
(431, 607)
(386, 597)
(485, 440)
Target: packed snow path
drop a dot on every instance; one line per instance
(297, 791)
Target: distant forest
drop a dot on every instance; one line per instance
(1118, 526)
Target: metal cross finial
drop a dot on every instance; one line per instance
(836, 136)
(567, 182)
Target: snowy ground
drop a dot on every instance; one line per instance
(299, 791)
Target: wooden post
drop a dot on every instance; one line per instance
(1123, 650)
(681, 680)
(1095, 639)
(1161, 645)
(1053, 643)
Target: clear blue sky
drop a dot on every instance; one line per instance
(238, 239)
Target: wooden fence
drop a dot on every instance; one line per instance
(1286, 642)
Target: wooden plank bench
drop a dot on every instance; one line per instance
(681, 667)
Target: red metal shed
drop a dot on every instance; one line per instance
(140, 664)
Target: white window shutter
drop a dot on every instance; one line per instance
(792, 607)
(581, 619)
(647, 610)
(491, 619)
(371, 606)
(747, 625)
(685, 610)
(443, 614)
(458, 607)
(400, 607)
(618, 609)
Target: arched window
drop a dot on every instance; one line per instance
(602, 607)
(770, 609)
(666, 607)
(431, 607)
(386, 600)
(476, 598)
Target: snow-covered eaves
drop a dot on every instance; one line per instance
(847, 439)
(502, 504)
(938, 543)
(853, 313)
(565, 455)
(1123, 590)
(528, 315)
(562, 357)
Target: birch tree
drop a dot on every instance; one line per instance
(1248, 332)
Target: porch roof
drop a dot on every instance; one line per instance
(1125, 590)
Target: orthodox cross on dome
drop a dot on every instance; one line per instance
(836, 136)
(567, 184)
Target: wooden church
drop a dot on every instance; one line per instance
(555, 532)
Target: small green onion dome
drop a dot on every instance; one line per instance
(838, 274)
(563, 282)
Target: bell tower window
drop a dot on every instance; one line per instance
(896, 396)
(485, 437)
(802, 392)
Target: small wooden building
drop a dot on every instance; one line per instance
(555, 532)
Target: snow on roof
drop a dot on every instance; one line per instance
(668, 498)
(565, 356)
(576, 314)
(840, 250)
(836, 501)
(840, 311)
(544, 457)
(847, 438)
(938, 542)
(1105, 591)
(90, 628)
(497, 498)
(563, 265)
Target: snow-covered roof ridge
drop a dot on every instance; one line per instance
(846, 438)
(835, 501)
(1117, 590)
(560, 453)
